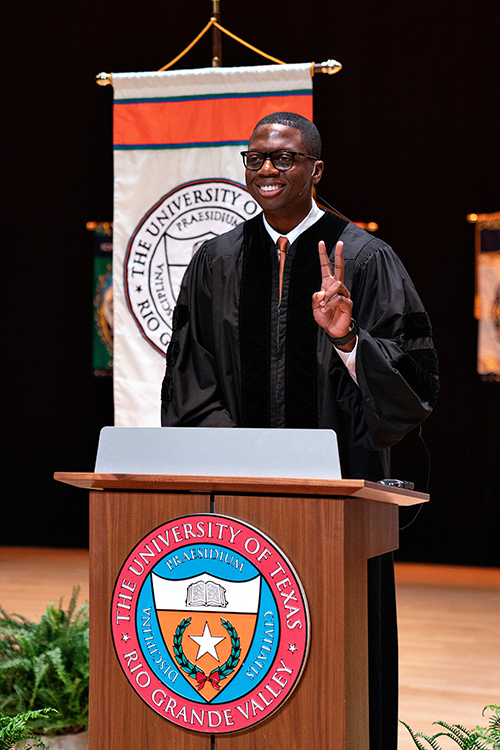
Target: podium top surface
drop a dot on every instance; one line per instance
(339, 488)
(232, 460)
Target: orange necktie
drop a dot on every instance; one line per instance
(282, 245)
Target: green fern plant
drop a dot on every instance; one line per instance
(18, 728)
(44, 665)
(479, 738)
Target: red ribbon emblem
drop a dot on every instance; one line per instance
(212, 678)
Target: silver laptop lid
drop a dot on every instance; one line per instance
(220, 451)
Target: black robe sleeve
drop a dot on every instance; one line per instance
(396, 363)
(191, 393)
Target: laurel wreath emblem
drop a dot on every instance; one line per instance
(219, 672)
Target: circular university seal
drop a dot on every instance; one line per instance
(165, 241)
(210, 623)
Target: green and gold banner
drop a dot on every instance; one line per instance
(102, 330)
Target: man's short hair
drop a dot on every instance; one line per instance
(309, 132)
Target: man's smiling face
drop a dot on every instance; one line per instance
(285, 197)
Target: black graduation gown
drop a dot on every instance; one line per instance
(240, 358)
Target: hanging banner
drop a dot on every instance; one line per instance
(488, 299)
(102, 333)
(179, 180)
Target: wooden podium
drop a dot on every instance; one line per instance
(327, 529)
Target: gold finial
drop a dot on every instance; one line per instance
(329, 66)
(104, 79)
(485, 221)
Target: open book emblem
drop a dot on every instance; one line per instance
(208, 645)
(206, 594)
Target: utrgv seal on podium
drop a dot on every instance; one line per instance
(210, 623)
(165, 241)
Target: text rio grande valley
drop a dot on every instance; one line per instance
(192, 717)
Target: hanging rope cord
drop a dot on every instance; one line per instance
(329, 66)
(214, 22)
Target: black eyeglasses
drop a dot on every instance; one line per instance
(281, 160)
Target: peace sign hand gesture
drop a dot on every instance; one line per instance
(332, 306)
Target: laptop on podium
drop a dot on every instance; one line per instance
(219, 451)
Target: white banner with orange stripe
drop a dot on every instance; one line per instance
(179, 180)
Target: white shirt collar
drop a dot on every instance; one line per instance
(312, 217)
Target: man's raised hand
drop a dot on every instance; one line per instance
(332, 305)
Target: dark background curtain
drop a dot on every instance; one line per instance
(411, 141)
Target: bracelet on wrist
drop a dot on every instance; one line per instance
(352, 333)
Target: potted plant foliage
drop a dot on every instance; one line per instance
(44, 665)
(14, 729)
(479, 738)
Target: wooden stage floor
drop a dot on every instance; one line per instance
(449, 629)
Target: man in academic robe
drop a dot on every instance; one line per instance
(297, 318)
